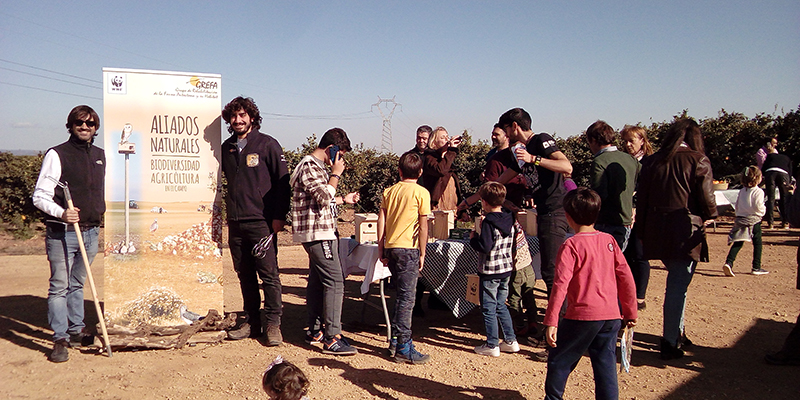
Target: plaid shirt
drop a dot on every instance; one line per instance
(313, 203)
(499, 260)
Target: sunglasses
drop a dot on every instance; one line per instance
(89, 123)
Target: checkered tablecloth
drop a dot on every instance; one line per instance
(447, 262)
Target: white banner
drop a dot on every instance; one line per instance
(162, 139)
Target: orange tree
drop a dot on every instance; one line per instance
(18, 176)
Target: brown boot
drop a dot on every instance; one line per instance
(60, 351)
(274, 336)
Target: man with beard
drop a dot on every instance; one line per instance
(543, 167)
(257, 204)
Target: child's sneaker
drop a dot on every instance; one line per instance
(485, 350)
(313, 337)
(759, 271)
(727, 270)
(392, 346)
(338, 345)
(509, 347)
(406, 353)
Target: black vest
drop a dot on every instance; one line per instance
(83, 168)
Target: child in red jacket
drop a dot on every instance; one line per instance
(591, 273)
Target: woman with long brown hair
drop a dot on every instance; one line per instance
(674, 201)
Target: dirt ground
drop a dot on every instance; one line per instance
(733, 322)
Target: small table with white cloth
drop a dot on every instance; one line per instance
(363, 258)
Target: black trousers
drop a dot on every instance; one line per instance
(772, 180)
(553, 229)
(242, 236)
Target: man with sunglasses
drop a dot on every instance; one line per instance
(257, 203)
(80, 165)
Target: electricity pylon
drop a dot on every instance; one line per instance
(386, 137)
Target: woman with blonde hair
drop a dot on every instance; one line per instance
(633, 140)
(438, 175)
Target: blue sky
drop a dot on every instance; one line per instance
(460, 64)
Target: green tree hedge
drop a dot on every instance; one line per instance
(18, 175)
(731, 141)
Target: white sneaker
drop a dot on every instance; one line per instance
(727, 270)
(507, 347)
(484, 350)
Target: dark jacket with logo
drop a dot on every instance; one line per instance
(673, 200)
(258, 179)
(83, 168)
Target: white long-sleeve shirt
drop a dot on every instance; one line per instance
(45, 188)
(750, 202)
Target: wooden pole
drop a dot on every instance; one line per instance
(89, 273)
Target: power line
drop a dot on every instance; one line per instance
(86, 39)
(351, 116)
(51, 91)
(360, 115)
(49, 77)
(404, 115)
(248, 83)
(50, 71)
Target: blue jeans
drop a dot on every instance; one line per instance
(574, 339)
(67, 275)
(404, 264)
(679, 276)
(621, 233)
(494, 292)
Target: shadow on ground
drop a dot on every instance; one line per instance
(23, 321)
(380, 383)
(738, 372)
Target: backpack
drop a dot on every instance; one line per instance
(521, 253)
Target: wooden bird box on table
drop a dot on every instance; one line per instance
(366, 227)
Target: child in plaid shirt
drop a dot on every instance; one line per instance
(494, 245)
(314, 209)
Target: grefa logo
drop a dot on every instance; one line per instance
(201, 84)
